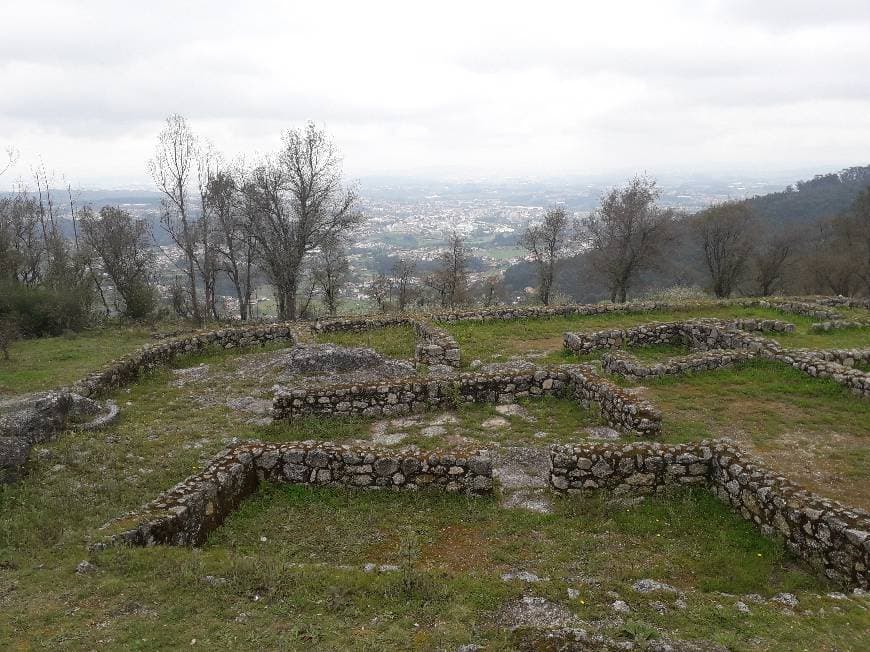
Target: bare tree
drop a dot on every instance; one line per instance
(490, 291)
(726, 232)
(123, 246)
(626, 234)
(171, 168)
(234, 211)
(22, 249)
(402, 273)
(11, 155)
(546, 242)
(178, 297)
(307, 289)
(330, 271)
(208, 165)
(302, 205)
(450, 280)
(8, 334)
(379, 290)
(770, 261)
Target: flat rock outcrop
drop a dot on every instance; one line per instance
(33, 418)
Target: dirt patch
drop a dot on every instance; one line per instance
(459, 548)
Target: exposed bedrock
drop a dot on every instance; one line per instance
(33, 418)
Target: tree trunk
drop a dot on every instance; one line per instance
(191, 275)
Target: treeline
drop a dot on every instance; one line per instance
(287, 220)
(631, 245)
(284, 219)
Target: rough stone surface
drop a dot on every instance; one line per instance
(332, 360)
(29, 419)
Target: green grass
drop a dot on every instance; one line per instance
(657, 352)
(494, 340)
(303, 587)
(290, 568)
(813, 430)
(49, 362)
(390, 341)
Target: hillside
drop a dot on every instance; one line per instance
(823, 196)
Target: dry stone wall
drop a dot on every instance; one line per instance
(813, 310)
(435, 346)
(838, 324)
(127, 369)
(846, 302)
(814, 364)
(188, 512)
(625, 364)
(415, 394)
(618, 408)
(360, 324)
(822, 531)
(725, 345)
(506, 313)
(701, 334)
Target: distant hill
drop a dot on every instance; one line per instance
(823, 196)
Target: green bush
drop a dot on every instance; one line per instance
(140, 300)
(38, 311)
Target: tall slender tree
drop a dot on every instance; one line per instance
(172, 168)
(545, 242)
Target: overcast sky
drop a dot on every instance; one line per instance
(443, 88)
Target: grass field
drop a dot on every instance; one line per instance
(53, 361)
(287, 568)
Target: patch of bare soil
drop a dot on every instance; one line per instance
(459, 548)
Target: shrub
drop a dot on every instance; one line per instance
(39, 311)
(140, 300)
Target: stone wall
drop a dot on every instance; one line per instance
(625, 364)
(188, 512)
(435, 346)
(505, 313)
(726, 345)
(619, 408)
(417, 394)
(814, 310)
(360, 324)
(701, 334)
(127, 369)
(846, 357)
(815, 364)
(838, 324)
(822, 531)
(846, 302)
